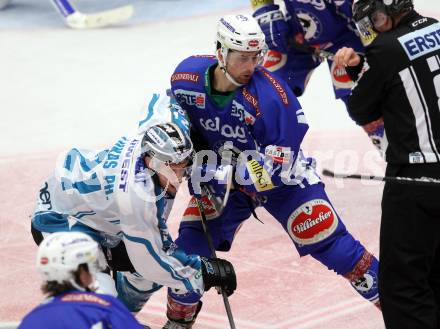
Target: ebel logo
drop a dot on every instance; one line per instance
(225, 130)
(45, 196)
(279, 154)
(192, 98)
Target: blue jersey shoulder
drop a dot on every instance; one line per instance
(269, 91)
(191, 70)
(322, 22)
(82, 308)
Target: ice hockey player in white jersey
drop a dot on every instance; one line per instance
(121, 196)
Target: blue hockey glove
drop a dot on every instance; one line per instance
(274, 26)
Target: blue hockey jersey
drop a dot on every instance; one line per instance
(261, 117)
(321, 22)
(80, 310)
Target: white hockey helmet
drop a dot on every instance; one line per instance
(168, 143)
(60, 254)
(240, 33)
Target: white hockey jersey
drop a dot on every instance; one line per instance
(111, 192)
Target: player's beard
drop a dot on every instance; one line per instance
(244, 78)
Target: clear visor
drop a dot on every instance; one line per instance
(173, 172)
(367, 30)
(244, 57)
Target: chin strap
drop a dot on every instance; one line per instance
(77, 286)
(222, 64)
(230, 78)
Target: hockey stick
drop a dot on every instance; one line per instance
(214, 255)
(78, 20)
(427, 181)
(317, 52)
(227, 177)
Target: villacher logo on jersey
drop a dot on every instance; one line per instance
(312, 222)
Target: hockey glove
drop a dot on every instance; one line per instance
(217, 272)
(274, 26)
(215, 182)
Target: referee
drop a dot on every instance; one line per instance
(398, 88)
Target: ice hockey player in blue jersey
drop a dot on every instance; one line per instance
(244, 116)
(68, 263)
(323, 24)
(122, 196)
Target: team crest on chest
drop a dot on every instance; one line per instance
(311, 25)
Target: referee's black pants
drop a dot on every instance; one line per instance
(409, 270)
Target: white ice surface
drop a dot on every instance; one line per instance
(61, 87)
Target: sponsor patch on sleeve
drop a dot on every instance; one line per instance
(191, 98)
(275, 83)
(185, 76)
(312, 222)
(279, 154)
(421, 42)
(253, 101)
(259, 176)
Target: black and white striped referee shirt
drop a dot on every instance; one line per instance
(400, 81)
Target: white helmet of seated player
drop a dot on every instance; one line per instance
(170, 152)
(60, 254)
(238, 33)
